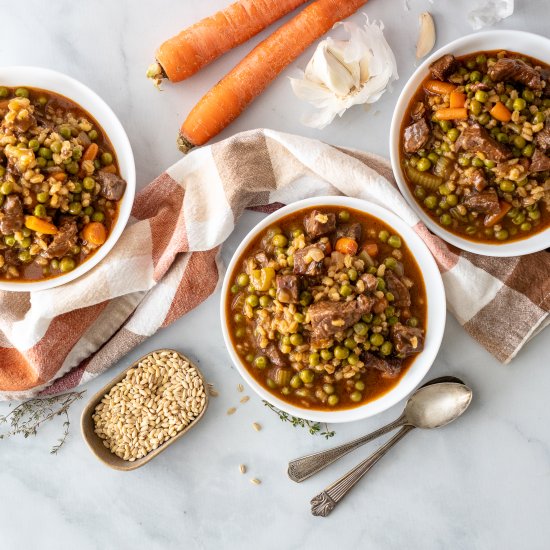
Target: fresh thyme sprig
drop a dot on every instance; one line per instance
(315, 428)
(26, 418)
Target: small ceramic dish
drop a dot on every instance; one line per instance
(526, 43)
(435, 320)
(46, 79)
(95, 443)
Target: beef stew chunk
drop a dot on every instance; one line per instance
(318, 223)
(288, 289)
(402, 297)
(539, 162)
(476, 138)
(443, 67)
(63, 241)
(515, 70)
(407, 340)
(112, 186)
(485, 202)
(416, 136)
(11, 217)
(389, 367)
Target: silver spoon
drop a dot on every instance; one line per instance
(429, 407)
(304, 467)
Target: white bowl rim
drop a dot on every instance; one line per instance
(436, 313)
(486, 40)
(68, 86)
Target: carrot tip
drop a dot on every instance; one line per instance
(156, 73)
(184, 145)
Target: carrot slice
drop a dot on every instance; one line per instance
(195, 47)
(456, 100)
(346, 245)
(91, 152)
(40, 226)
(110, 169)
(60, 176)
(95, 233)
(501, 112)
(236, 90)
(492, 219)
(371, 249)
(438, 87)
(452, 114)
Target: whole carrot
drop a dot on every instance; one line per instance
(186, 53)
(231, 95)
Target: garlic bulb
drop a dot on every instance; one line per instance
(343, 73)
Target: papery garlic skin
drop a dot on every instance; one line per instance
(343, 73)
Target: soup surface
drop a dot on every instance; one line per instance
(60, 185)
(327, 308)
(475, 145)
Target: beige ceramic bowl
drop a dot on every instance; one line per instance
(95, 443)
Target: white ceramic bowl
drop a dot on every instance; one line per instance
(435, 313)
(523, 42)
(36, 77)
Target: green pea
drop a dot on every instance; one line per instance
(56, 147)
(376, 339)
(279, 241)
(381, 284)
(519, 142)
(526, 226)
(394, 241)
(326, 355)
(40, 211)
(45, 153)
(240, 332)
(471, 230)
(265, 301)
(507, 186)
(443, 189)
(77, 153)
(328, 389)
(238, 318)
(390, 297)
(528, 95)
(26, 232)
(22, 92)
(538, 118)
(344, 216)
(502, 137)
(75, 208)
(519, 218)
(445, 219)
(356, 396)
(528, 150)
(307, 376)
(481, 58)
(350, 343)
(25, 243)
(386, 348)
(296, 339)
(65, 132)
(445, 125)
(333, 400)
(501, 235)
(424, 164)
(481, 96)
(353, 359)
(519, 104)
(477, 162)
(489, 163)
(271, 383)
(249, 358)
(475, 107)
(313, 359)
(106, 159)
(252, 300)
(430, 202)
(383, 236)
(98, 216)
(72, 167)
(243, 279)
(9, 240)
(260, 362)
(420, 192)
(367, 317)
(475, 76)
(296, 382)
(24, 256)
(453, 134)
(433, 157)
(34, 144)
(389, 311)
(88, 183)
(299, 317)
(360, 385)
(6, 188)
(340, 352)
(352, 274)
(41, 162)
(4, 92)
(305, 298)
(390, 262)
(534, 214)
(452, 200)
(92, 134)
(67, 264)
(345, 290)
(471, 63)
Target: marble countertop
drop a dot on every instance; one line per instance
(481, 483)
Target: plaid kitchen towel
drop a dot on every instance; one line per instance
(165, 263)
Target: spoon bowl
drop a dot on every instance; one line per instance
(437, 405)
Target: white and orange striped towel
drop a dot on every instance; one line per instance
(165, 263)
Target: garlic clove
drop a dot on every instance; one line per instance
(426, 35)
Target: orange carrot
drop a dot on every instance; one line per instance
(183, 55)
(456, 100)
(346, 245)
(60, 176)
(500, 112)
(452, 114)
(438, 87)
(492, 219)
(371, 249)
(110, 169)
(95, 233)
(41, 226)
(91, 152)
(232, 94)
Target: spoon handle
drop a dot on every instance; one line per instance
(304, 467)
(324, 502)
